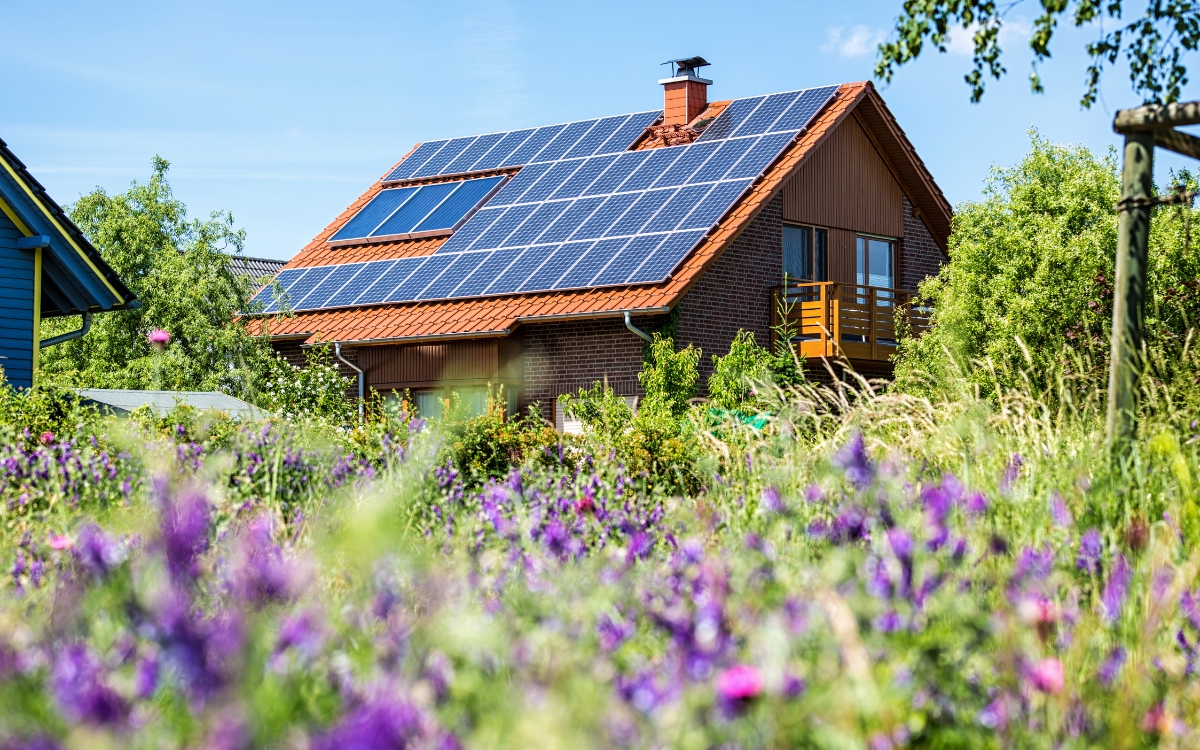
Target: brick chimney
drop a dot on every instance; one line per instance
(685, 94)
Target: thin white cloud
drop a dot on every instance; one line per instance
(489, 46)
(853, 42)
(1014, 33)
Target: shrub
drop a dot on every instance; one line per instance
(315, 391)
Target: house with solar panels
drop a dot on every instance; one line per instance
(538, 258)
(48, 269)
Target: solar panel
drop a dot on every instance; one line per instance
(633, 254)
(269, 296)
(417, 209)
(444, 156)
(577, 215)
(354, 286)
(513, 276)
(415, 160)
(501, 151)
(458, 204)
(766, 114)
(528, 232)
(374, 213)
(604, 129)
(519, 148)
(460, 267)
(406, 218)
(391, 278)
(589, 263)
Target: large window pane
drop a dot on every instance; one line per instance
(430, 403)
(880, 263)
(797, 252)
(820, 269)
(472, 402)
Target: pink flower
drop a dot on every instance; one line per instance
(1047, 675)
(46, 438)
(739, 683)
(159, 338)
(60, 541)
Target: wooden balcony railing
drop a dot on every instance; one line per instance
(839, 319)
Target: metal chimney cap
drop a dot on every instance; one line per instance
(686, 66)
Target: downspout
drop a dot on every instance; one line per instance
(87, 326)
(629, 324)
(337, 352)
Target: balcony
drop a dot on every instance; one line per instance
(836, 319)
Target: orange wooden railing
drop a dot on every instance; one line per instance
(839, 319)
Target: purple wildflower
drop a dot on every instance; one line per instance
(1111, 666)
(976, 504)
(853, 459)
(262, 575)
(1113, 598)
(771, 501)
(98, 552)
(1047, 675)
(1090, 548)
(383, 722)
(78, 683)
(185, 532)
(1189, 602)
(1059, 511)
(640, 546)
(145, 677)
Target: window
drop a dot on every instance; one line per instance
(874, 262)
(430, 404)
(804, 253)
(463, 402)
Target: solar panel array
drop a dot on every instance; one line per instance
(517, 148)
(576, 221)
(417, 209)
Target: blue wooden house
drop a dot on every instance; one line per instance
(48, 269)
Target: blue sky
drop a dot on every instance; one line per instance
(283, 113)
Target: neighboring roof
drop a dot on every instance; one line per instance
(499, 316)
(122, 402)
(75, 278)
(255, 268)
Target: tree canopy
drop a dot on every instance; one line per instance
(1153, 44)
(179, 269)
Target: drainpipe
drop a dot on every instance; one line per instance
(337, 352)
(87, 326)
(629, 324)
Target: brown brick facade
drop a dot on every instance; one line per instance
(735, 293)
(565, 356)
(920, 256)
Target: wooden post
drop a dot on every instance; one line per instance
(872, 322)
(1129, 294)
(835, 314)
(824, 319)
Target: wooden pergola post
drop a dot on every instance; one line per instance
(1143, 128)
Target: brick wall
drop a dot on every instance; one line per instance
(735, 293)
(920, 256)
(563, 357)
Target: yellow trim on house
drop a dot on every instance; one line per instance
(16, 178)
(37, 312)
(12, 215)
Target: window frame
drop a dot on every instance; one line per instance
(862, 272)
(817, 262)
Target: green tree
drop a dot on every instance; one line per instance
(1031, 266)
(179, 269)
(669, 377)
(1153, 44)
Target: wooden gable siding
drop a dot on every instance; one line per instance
(16, 307)
(847, 187)
(419, 365)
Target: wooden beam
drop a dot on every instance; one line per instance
(1156, 117)
(1179, 142)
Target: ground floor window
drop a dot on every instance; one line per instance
(462, 402)
(805, 253)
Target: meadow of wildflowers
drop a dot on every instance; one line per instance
(886, 572)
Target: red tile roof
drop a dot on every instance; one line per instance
(498, 316)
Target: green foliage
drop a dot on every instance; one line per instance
(1152, 44)
(316, 391)
(603, 413)
(1028, 285)
(747, 367)
(180, 272)
(669, 377)
(58, 411)
(492, 444)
